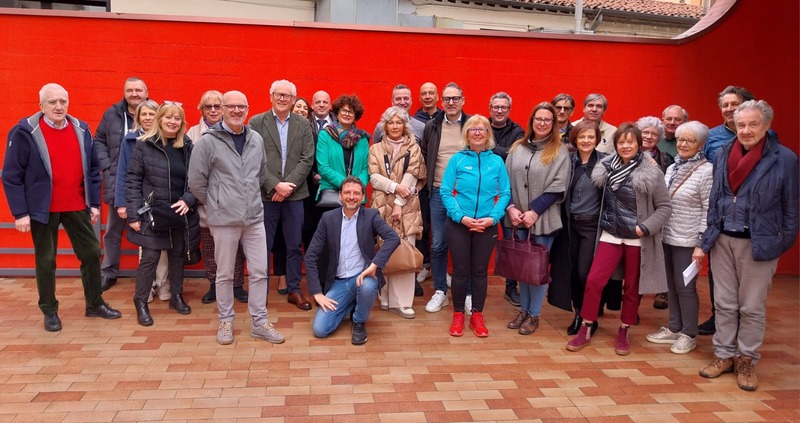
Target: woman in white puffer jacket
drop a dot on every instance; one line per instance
(689, 183)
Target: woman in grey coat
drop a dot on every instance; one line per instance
(635, 206)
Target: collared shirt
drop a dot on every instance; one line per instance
(326, 121)
(457, 121)
(283, 132)
(231, 131)
(718, 137)
(52, 124)
(351, 262)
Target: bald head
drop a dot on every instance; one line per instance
(321, 104)
(428, 96)
(234, 109)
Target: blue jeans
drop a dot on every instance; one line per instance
(349, 296)
(531, 297)
(438, 241)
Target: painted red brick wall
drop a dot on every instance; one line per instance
(756, 46)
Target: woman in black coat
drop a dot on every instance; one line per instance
(157, 179)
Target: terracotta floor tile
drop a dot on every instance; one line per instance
(174, 371)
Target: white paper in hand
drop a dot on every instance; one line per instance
(690, 273)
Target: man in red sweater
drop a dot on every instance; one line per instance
(51, 177)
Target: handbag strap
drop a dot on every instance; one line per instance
(697, 166)
(388, 165)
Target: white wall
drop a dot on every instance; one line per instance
(283, 10)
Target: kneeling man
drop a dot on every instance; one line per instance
(354, 276)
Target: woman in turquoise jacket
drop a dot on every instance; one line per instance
(343, 149)
(475, 191)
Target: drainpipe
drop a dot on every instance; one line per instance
(578, 17)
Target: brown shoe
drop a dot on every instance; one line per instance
(746, 373)
(660, 301)
(517, 322)
(298, 299)
(716, 367)
(529, 326)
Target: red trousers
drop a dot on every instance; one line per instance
(606, 259)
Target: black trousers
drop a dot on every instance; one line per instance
(582, 237)
(146, 271)
(470, 252)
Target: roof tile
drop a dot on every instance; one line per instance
(652, 7)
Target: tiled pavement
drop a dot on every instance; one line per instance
(409, 371)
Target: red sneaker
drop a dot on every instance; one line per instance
(477, 325)
(457, 328)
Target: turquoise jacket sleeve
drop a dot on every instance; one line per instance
(446, 190)
(503, 193)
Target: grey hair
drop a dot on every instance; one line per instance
(740, 92)
(49, 86)
(400, 87)
(454, 85)
(675, 106)
(564, 97)
(596, 96)
(651, 121)
(281, 82)
(399, 112)
(767, 114)
(699, 130)
(502, 95)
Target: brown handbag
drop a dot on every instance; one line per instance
(405, 259)
(522, 260)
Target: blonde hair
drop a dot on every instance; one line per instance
(156, 132)
(473, 122)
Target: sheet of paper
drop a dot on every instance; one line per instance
(690, 273)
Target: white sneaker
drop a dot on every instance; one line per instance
(384, 302)
(423, 275)
(683, 345)
(225, 333)
(438, 300)
(404, 312)
(663, 336)
(162, 290)
(468, 305)
(449, 280)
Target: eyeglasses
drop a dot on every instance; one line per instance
(281, 96)
(347, 112)
(455, 99)
(172, 103)
(545, 121)
(649, 134)
(686, 141)
(235, 107)
(500, 108)
(563, 108)
(212, 106)
(477, 130)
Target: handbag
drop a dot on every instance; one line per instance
(329, 198)
(522, 260)
(406, 258)
(162, 217)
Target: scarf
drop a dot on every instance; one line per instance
(619, 172)
(396, 145)
(680, 163)
(348, 138)
(741, 162)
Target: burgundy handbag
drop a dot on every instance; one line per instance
(522, 260)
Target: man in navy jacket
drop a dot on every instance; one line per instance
(51, 176)
(353, 276)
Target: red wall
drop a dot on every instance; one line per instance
(756, 46)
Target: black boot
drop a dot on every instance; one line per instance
(211, 295)
(142, 313)
(177, 303)
(575, 326)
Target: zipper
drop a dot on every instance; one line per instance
(169, 182)
(478, 195)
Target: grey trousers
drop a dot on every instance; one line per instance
(740, 296)
(112, 239)
(254, 244)
(683, 301)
